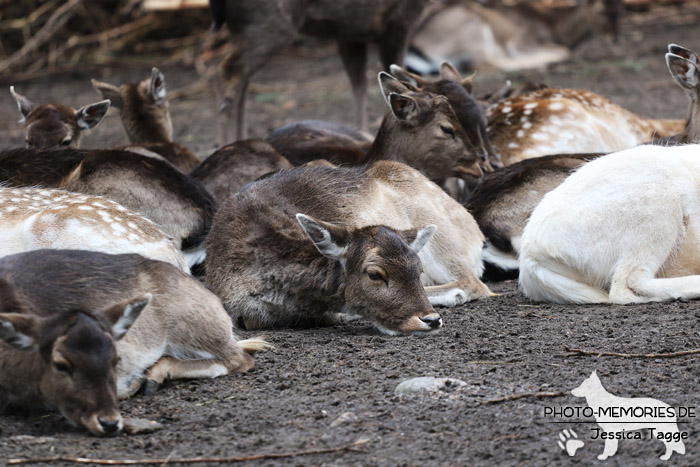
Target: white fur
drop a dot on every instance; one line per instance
(612, 232)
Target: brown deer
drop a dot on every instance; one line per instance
(79, 348)
(232, 166)
(34, 218)
(56, 125)
(181, 207)
(504, 201)
(261, 28)
(305, 245)
(145, 113)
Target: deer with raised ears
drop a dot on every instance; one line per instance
(145, 114)
(315, 245)
(261, 28)
(35, 218)
(468, 109)
(180, 206)
(56, 125)
(166, 325)
(61, 356)
(684, 66)
(568, 121)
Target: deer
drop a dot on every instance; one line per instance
(145, 114)
(260, 29)
(503, 201)
(36, 218)
(510, 36)
(81, 349)
(57, 125)
(231, 167)
(615, 232)
(321, 245)
(180, 206)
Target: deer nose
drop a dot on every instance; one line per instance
(109, 426)
(433, 320)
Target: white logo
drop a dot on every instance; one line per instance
(623, 417)
(569, 442)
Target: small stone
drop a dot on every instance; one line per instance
(428, 384)
(344, 417)
(140, 426)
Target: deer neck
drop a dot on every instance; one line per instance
(386, 144)
(691, 133)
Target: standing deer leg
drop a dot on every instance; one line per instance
(354, 57)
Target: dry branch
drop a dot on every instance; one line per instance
(597, 353)
(513, 397)
(185, 460)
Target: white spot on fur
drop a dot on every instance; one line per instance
(527, 125)
(523, 119)
(85, 207)
(556, 106)
(531, 105)
(505, 110)
(520, 133)
(528, 112)
(512, 145)
(118, 227)
(539, 136)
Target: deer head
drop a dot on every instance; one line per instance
(55, 125)
(684, 66)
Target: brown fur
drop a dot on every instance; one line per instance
(261, 28)
(232, 166)
(178, 155)
(183, 328)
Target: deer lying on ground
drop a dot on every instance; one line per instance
(261, 28)
(35, 218)
(314, 245)
(56, 125)
(181, 207)
(145, 114)
(232, 166)
(623, 228)
(503, 201)
(509, 37)
(79, 348)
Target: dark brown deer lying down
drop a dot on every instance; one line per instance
(79, 348)
(181, 207)
(314, 245)
(262, 28)
(232, 166)
(145, 114)
(309, 140)
(56, 125)
(468, 109)
(504, 200)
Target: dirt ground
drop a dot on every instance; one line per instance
(327, 388)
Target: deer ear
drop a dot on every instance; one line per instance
(468, 82)
(683, 71)
(403, 107)
(418, 238)
(405, 75)
(684, 53)
(123, 315)
(156, 90)
(449, 72)
(330, 240)
(109, 92)
(389, 85)
(19, 330)
(90, 115)
(23, 104)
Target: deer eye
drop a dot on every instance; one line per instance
(66, 142)
(447, 130)
(376, 275)
(62, 367)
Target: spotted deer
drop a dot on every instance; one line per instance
(80, 348)
(232, 166)
(317, 244)
(145, 114)
(621, 229)
(180, 206)
(261, 28)
(56, 125)
(568, 121)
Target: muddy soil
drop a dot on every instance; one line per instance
(327, 388)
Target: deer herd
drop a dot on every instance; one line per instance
(127, 266)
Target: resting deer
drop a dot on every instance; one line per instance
(623, 228)
(503, 201)
(232, 166)
(261, 28)
(56, 125)
(35, 218)
(145, 113)
(181, 207)
(307, 244)
(80, 348)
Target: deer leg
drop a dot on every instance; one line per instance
(456, 293)
(171, 368)
(354, 57)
